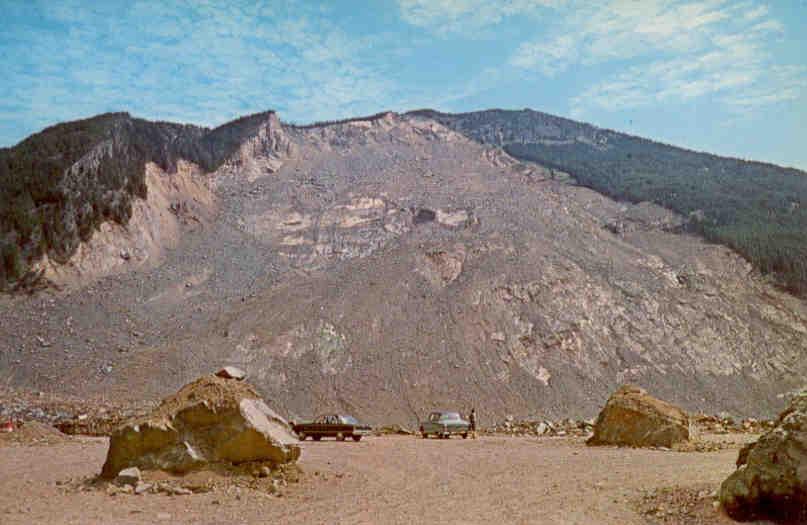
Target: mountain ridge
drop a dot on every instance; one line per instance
(386, 267)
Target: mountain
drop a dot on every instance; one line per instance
(752, 207)
(59, 185)
(386, 266)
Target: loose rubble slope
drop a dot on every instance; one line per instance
(387, 266)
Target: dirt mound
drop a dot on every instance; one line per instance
(771, 478)
(208, 421)
(32, 433)
(216, 392)
(633, 418)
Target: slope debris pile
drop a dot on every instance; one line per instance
(632, 417)
(30, 433)
(387, 265)
(771, 479)
(753, 207)
(211, 420)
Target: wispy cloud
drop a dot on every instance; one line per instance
(663, 50)
(467, 16)
(668, 51)
(204, 62)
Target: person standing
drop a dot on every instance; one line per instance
(472, 421)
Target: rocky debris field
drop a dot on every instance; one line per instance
(181, 450)
(390, 266)
(30, 433)
(71, 415)
(394, 479)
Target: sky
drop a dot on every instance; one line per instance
(724, 76)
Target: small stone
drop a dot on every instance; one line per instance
(163, 516)
(142, 488)
(231, 372)
(128, 476)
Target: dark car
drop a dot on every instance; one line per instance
(332, 425)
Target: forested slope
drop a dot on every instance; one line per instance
(755, 208)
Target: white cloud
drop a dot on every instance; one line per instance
(192, 61)
(669, 50)
(466, 16)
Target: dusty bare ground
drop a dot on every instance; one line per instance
(393, 480)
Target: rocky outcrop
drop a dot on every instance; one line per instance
(771, 478)
(210, 420)
(390, 265)
(633, 418)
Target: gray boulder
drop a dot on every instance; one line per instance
(771, 479)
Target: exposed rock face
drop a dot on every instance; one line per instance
(391, 265)
(210, 420)
(771, 478)
(633, 418)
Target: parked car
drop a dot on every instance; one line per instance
(332, 425)
(444, 424)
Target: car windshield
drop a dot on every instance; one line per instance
(349, 420)
(443, 416)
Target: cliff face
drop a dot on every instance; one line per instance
(388, 266)
(58, 187)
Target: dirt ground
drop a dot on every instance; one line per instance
(391, 480)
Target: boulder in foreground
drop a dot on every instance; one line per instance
(633, 418)
(771, 481)
(210, 420)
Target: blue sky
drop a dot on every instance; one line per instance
(716, 75)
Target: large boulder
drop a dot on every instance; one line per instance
(210, 420)
(633, 418)
(771, 479)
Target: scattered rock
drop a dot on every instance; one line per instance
(393, 429)
(771, 478)
(231, 372)
(128, 476)
(631, 417)
(210, 420)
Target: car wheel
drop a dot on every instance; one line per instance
(302, 436)
(465, 436)
(425, 435)
(356, 438)
(340, 437)
(316, 438)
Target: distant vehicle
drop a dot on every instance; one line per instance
(444, 425)
(332, 425)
